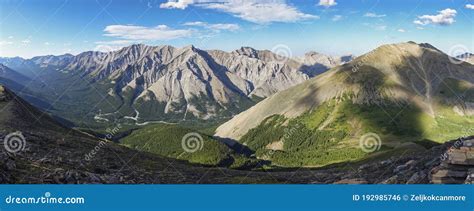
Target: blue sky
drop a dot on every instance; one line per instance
(33, 27)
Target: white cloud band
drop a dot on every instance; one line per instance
(444, 17)
(133, 32)
(257, 11)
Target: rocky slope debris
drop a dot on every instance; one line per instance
(458, 164)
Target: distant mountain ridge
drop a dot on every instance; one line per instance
(467, 57)
(168, 83)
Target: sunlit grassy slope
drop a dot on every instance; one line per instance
(331, 132)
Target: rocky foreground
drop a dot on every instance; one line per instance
(58, 161)
(457, 165)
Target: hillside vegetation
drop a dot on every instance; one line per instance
(167, 140)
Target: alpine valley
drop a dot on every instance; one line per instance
(141, 84)
(260, 117)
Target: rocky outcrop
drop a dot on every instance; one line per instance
(457, 164)
(3, 96)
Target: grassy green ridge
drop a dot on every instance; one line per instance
(166, 140)
(330, 133)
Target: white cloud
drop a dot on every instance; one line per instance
(374, 15)
(444, 17)
(257, 11)
(327, 3)
(216, 26)
(177, 4)
(470, 6)
(401, 30)
(224, 26)
(336, 18)
(133, 32)
(262, 12)
(5, 43)
(195, 23)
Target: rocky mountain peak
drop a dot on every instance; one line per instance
(427, 45)
(190, 47)
(311, 53)
(247, 51)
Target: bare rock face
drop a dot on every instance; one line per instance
(317, 63)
